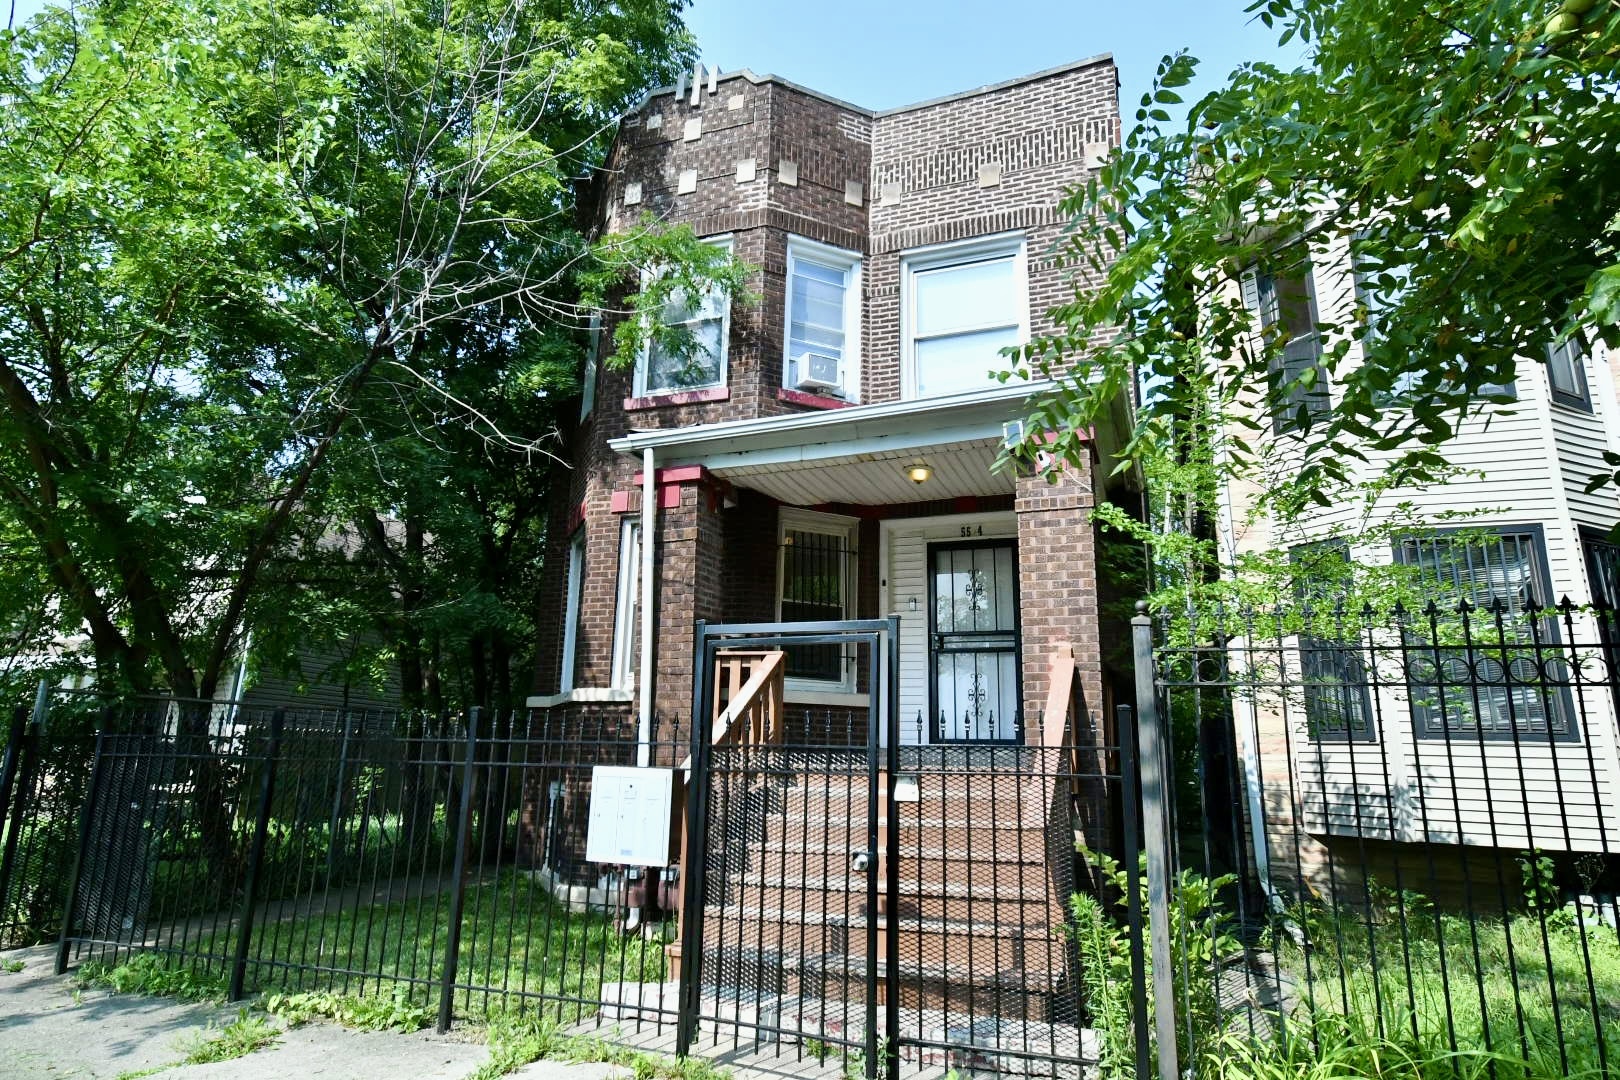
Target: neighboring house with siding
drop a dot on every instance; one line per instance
(1371, 751)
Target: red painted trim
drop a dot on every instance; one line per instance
(624, 502)
(683, 397)
(966, 504)
(576, 517)
(814, 401)
(669, 496)
(680, 474)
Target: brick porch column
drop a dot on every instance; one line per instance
(688, 564)
(1057, 585)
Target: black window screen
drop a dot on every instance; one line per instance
(816, 578)
(1333, 673)
(1502, 680)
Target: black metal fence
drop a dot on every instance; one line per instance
(1392, 829)
(437, 861)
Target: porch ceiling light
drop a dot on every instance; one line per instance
(919, 472)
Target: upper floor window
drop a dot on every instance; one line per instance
(1381, 289)
(963, 303)
(1566, 372)
(823, 319)
(593, 345)
(700, 360)
(1287, 307)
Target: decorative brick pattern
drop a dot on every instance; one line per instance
(764, 160)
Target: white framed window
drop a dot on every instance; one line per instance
(823, 348)
(627, 605)
(587, 389)
(815, 582)
(576, 584)
(961, 304)
(707, 321)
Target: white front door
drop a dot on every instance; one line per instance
(905, 588)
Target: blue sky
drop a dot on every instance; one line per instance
(883, 53)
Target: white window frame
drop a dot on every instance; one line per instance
(847, 529)
(576, 574)
(587, 390)
(959, 253)
(627, 605)
(838, 258)
(643, 362)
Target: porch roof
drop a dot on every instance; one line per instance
(854, 455)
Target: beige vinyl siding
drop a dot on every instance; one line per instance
(1524, 464)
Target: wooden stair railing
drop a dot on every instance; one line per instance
(1058, 733)
(748, 711)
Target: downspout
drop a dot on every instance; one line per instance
(634, 896)
(644, 687)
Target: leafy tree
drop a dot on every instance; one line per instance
(267, 274)
(1468, 147)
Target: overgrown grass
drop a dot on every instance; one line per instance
(1334, 1047)
(241, 1037)
(1514, 984)
(517, 942)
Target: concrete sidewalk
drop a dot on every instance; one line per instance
(50, 1029)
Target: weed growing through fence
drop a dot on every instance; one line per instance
(516, 1039)
(396, 1013)
(154, 976)
(1199, 943)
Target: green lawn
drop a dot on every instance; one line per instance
(1510, 984)
(516, 940)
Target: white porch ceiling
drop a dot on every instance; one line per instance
(876, 479)
(856, 455)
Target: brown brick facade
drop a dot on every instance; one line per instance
(773, 161)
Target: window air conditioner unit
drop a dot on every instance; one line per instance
(818, 371)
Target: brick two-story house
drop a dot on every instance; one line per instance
(827, 455)
(828, 452)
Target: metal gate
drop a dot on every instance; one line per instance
(861, 893)
(782, 938)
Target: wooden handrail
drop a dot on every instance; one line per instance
(1055, 722)
(749, 686)
(747, 711)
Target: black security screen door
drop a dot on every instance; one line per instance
(973, 641)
